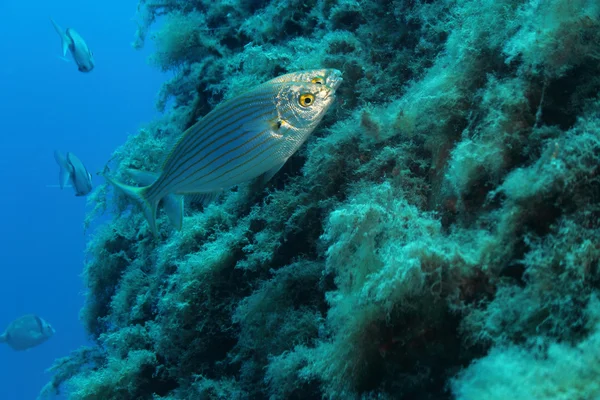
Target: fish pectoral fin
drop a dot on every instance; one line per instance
(173, 204)
(65, 172)
(271, 125)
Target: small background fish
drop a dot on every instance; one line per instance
(73, 42)
(73, 170)
(26, 332)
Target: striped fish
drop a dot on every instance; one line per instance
(243, 138)
(324, 76)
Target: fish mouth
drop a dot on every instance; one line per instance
(330, 95)
(337, 84)
(336, 80)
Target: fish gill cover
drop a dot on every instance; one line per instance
(437, 237)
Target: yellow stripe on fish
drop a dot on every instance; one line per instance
(243, 138)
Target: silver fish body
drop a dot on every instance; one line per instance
(326, 76)
(73, 170)
(26, 332)
(243, 138)
(73, 42)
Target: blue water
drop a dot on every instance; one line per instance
(46, 104)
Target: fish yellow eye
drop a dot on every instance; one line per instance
(307, 99)
(318, 80)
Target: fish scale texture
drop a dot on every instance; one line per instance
(435, 238)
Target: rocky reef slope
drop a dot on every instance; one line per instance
(436, 238)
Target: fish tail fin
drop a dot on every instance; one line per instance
(172, 203)
(3, 338)
(65, 41)
(65, 171)
(140, 196)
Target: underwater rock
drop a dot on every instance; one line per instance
(443, 217)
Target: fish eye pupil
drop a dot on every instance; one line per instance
(306, 99)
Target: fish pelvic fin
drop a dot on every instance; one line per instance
(140, 196)
(65, 171)
(173, 204)
(65, 40)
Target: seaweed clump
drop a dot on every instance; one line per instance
(441, 222)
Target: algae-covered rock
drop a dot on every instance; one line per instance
(442, 220)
